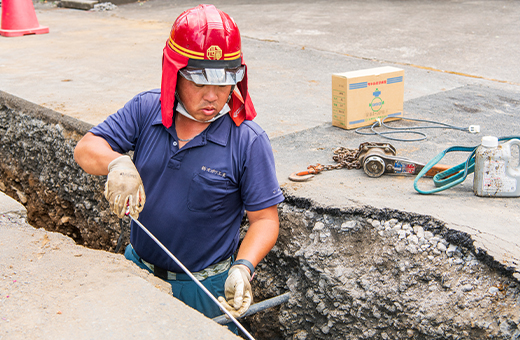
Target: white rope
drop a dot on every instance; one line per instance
(208, 293)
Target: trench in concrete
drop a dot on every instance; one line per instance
(359, 273)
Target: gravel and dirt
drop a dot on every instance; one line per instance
(383, 274)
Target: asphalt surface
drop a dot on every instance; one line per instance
(459, 59)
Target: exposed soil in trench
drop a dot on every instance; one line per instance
(355, 274)
(48, 210)
(362, 273)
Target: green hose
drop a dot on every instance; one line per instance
(455, 175)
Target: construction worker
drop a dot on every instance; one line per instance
(199, 163)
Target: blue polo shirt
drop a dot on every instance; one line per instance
(195, 196)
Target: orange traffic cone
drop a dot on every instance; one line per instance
(19, 18)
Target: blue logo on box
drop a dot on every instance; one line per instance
(377, 103)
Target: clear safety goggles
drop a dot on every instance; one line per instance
(213, 76)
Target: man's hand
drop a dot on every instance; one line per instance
(238, 291)
(124, 188)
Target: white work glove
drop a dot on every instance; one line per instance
(124, 188)
(238, 291)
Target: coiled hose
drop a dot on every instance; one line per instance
(455, 175)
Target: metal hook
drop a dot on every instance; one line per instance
(301, 176)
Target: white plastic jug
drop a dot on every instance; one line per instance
(496, 173)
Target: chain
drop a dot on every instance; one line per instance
(344, 157)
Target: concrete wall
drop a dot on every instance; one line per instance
(37, 168)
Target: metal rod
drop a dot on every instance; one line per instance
(208, 293)
(257, 307)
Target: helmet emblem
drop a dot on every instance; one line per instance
(214, 53)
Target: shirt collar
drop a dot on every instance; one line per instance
(220, 130)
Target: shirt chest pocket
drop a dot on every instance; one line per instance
(207, 193)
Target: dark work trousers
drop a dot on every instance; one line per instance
(186, 290)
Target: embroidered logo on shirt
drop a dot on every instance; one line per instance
(213, 171)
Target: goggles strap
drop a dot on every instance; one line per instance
(230, 94)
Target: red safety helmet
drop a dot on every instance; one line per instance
(204, 47)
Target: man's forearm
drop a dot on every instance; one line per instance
(261, 235)
(93, 154)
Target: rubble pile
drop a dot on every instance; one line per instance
(104, 6)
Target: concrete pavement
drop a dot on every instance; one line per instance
(460, 68)
(52, 288)
(10, 206)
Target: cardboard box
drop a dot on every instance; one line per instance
(360, 97)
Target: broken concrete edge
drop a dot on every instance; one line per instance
(453, 236)
(9, 205)
(37, 152)
(77, 185)
(90, 4)
(50, 116)
(78, 4)
(37, 148)
(74, 129)
(371, 274)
